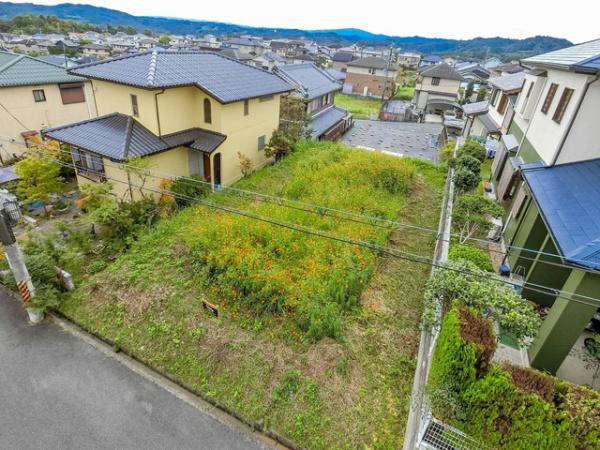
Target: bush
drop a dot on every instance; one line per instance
(46, 297)
(477, 256)
(463, 282)
(195, 187)
(505, 407)
(466, 180)
(472, 148)
(96, 266)
(500, 414)
(447, 152)
(395, 180)
(320, 320)
(468, 162)
(583, 406)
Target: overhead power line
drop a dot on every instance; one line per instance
(323, 210)
(546, 290)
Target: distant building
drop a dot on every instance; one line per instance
(317, 89)
(96, 50)
(340, 60)
(437, 89)
(371, 76)
(430, 60)
(408, 59)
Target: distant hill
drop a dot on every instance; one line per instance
(477, 47)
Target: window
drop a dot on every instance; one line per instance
(372, 71)
(562, 104)
(503, 102)
(134, 106)
(435, 81)
(527, 97)
(246, 107)
(261, 142)
(495, 97)
(549, 97)
(71, 93)
(207, 111)
(39, 95)
(88, 165)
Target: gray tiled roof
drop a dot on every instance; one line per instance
(326, 119)
(374, 62)
(120, 137)
(310, 81)
(22, 70)
(442, 70)
(476, 108)
(490, 125)
(566, 57)
(196, 138)
(343, 57)
(223, 78)
(508, 83)
(567, 197)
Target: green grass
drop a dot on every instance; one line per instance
(360, 107)
(350, 391)
(405, 93)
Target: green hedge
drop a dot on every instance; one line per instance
(504, 406)
(473, 254)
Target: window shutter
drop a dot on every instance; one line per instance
(71, 93)
(565, 98)
(549, 97)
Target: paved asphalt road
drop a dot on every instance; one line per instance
(59, 392)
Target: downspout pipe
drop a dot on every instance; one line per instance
(157, 113)
(563, 140)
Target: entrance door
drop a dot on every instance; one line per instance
(206, 166)
(196, 162)
(366, 91)
(217, 163)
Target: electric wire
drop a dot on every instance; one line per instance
(546, 290)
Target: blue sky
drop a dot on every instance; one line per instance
(576, 20)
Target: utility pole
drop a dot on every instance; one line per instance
(385, 74)
(16, 261)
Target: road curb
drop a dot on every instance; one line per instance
(264, 438)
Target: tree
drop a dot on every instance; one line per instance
(468, 162)
(481, 94)
(469, 92)
(472, 148)
(471, 214)
(294, 119)
(279, 145)
(38, 178)
(462, 282)
(164, 39)
(465, 180)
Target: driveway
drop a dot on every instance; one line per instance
(59, 392)
(418, 140)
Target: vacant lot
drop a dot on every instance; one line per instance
(360, 107)
(315, 338)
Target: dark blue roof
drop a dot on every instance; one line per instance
(432, 58)
(593, 63)
(568, 197)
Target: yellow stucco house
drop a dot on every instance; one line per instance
(185, 113)
(36, 94)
